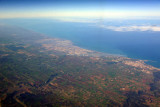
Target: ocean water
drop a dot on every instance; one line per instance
(90, 35)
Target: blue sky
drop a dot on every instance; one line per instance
(79, 8)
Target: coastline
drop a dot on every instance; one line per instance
(56, 33)
(67, 47)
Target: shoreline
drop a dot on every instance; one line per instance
(154, 63)
(67, 47)
(146, 61)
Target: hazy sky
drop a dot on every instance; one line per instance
(80, 8)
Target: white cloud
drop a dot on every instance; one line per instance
(132, 28)
(77, 20)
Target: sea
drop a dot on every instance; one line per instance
(133, 38)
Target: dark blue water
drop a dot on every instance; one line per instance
(136, 44)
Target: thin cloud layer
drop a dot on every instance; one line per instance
(79, 20)
(132, 28)
(125, 28)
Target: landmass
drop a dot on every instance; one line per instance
(36, 70)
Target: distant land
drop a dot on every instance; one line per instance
(37, 70)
